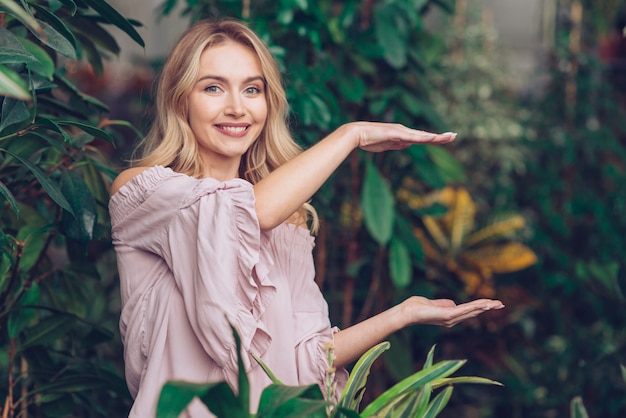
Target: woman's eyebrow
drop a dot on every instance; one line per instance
(224, 79)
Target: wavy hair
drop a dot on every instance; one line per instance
(170, 141)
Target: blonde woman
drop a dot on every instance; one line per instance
(210, 229)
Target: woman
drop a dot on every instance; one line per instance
(210, 229)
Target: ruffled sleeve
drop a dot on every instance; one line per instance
(312, 328)
(215, 250)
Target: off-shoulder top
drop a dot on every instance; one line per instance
(193, 261)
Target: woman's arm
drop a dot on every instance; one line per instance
(287, 188)
(352, 342)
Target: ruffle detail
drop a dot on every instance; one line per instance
(136, 191)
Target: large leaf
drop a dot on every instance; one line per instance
(391, 34)
(503, 258)
(112, 16)
(6, 193)
(52, 189)
(11, 49)
(403, 232)
(20, 317)
(377, 204)
(438, 403)
(400, 266)
(14, 9)
(413, 382)
(48, 329)
(91, 130)
(42, 64)
(448, 167)
(353, 391)
(55, 40)
(292, 401)
(499, 226)
(460, 218)
(80, 225)
(14, 112)
(176, 395)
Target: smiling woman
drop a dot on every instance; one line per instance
(227, 107)
(210, 229)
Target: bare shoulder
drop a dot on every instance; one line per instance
(124, 177)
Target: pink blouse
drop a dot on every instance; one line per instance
(192, 260)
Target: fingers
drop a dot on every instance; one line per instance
(472, 309)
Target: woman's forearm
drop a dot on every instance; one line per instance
(352, 342)
(287, 188)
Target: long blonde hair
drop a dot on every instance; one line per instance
(171, 143)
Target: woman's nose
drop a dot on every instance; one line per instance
(234, 106)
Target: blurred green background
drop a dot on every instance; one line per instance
(527, 206)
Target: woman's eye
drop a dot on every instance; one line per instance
(253, 90)
(211, 89)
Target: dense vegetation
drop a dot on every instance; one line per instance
(535, 181)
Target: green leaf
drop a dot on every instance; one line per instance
(79, 225)
(430, 357)
(52, 189)
(55, 40)
(91, 130)
(425, 167)
(222, 402)
(440, 402)
(267, 370)
(21, 14)
(399, 264)
(91, 53)
(577, 408)
(42, 64)
(464, 379)
(176, 395)
(447, 166)
(48, 330)
(6, 193)
(20, 317)
(13, 112)
(390, 35)
(52, 125)
(112, 16)
(55, 22)
(341, 412)
(352, 88)
(403, 232)
(377, 204)
(11, 85)
(69, 384)
(292, 401)
(353, 391)
(34, 235)
(11, 49)
(89, 28)
(426, 375)
(242, 381)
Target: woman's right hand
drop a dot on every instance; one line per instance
(378, 137)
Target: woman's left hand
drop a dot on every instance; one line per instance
(444, 312)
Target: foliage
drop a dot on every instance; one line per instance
(57, 278)
(412, 397)
(570, 327)
(451, 241)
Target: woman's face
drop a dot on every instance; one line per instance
(227, 106)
